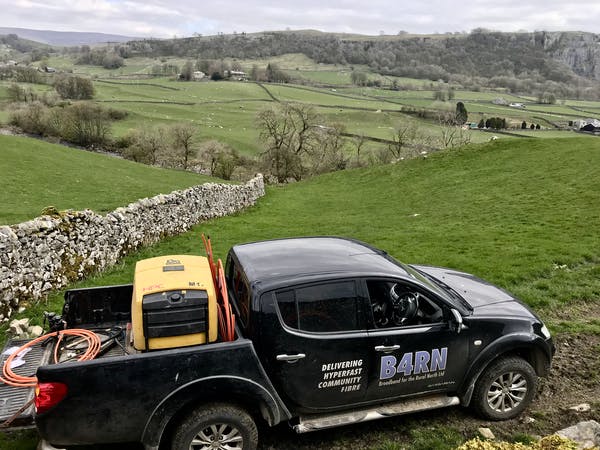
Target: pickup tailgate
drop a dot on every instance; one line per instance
(16, 403)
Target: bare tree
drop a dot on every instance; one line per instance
(405, 137)
(329, 154)
(182, 135)
(452, 135)
(288, 132)
(220, 158)
(359, 141)
(147, 145)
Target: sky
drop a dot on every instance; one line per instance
(180, 18)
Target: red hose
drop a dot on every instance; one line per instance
(91, 338)
(226, 316)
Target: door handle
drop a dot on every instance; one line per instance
(386, 348)
(290, 358)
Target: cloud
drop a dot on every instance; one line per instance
(162, 18)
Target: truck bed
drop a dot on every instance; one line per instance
(92, 308)
(126, 395)
(16, 403)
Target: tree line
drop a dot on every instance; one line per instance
(516, 61)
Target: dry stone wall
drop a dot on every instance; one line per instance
(48, 252)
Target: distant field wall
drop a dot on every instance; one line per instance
(49, 252)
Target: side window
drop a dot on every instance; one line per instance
(323, 308)
(286, 301)
(397, 304)
(240, 290)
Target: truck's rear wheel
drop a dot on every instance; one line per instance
(216, 426)
(505, 389)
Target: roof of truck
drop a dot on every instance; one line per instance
(280, 262)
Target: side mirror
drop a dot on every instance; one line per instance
(458, 320)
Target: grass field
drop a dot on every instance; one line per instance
(36, 174)
(523, 213)
(227, 111)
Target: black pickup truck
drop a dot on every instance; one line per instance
(329, 332)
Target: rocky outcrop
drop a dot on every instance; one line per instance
(578, 50)
(48, 252)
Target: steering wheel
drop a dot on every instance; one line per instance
(404, 306)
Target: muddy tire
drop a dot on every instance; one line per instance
(505, 389)
(216, 426)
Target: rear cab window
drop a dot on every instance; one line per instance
(238, 286)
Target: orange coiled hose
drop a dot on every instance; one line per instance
(93, 347)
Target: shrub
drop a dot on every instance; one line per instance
(85, 124)
(31, 119)
(74, 87)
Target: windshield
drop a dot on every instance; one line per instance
(443, 286)
(422, 278)
(438, 287)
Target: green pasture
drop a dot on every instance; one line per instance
(558, 110)
(163, 89)
(37, 174)
(485, 96)
(61, 62)
(325, 97)
(388, 93)
(227, 110)
(582, 103)
(289, 61)
(133, 66)
(516, 115)
(524, 214)
(223, 111)
(335, 77)
(587, 112)
(37, 88)
(234, 125)
(552, 134)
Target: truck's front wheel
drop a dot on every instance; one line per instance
(505, 389)
(216, 426)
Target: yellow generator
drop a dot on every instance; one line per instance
(174, 303)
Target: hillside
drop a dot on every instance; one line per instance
(523, 213)
(12, 45)
(65, 38)
(36, 174)
(555, 56)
